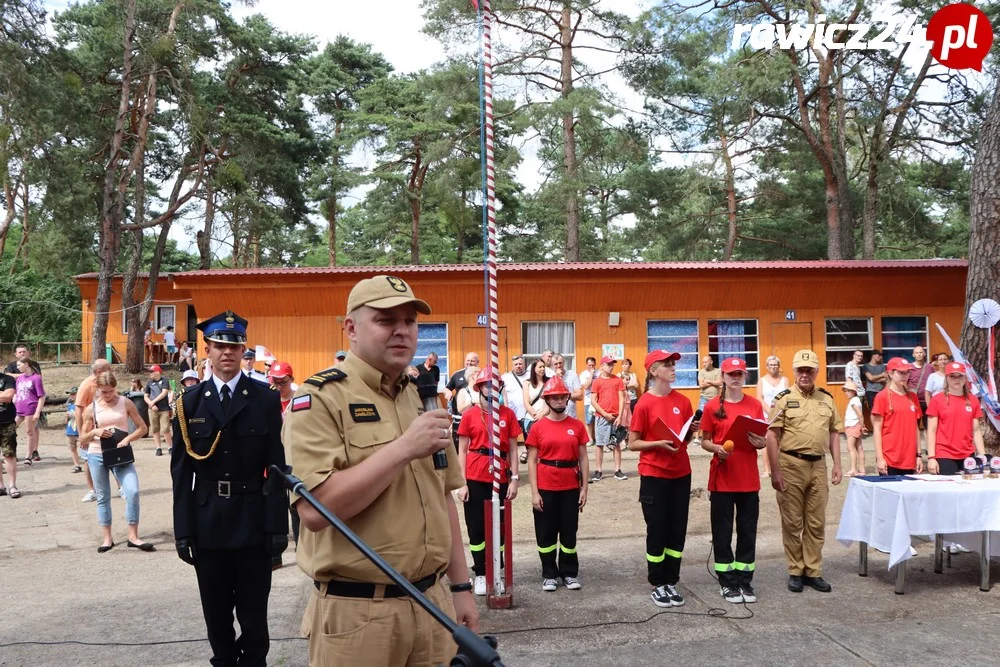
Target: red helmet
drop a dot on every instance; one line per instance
(554, 386)
(485, 376)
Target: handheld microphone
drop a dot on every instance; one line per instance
(697, 415)
(728, 445)
(440, 460)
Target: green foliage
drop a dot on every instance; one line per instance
(36, 307)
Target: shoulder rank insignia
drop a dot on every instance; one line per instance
(329, 375)
(782, 394)
(825, 392)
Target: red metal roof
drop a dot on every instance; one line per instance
(575, 266)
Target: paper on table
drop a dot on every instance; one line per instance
(660, 431)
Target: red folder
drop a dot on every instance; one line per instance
(744, 425)
(660, 431)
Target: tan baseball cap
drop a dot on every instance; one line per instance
(805, 358)
(384, 292)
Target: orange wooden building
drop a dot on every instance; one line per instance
(749, 309)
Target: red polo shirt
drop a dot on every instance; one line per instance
(674, 410)
(557, 441)
(953, 439)
(474, 427)
(738, 473)
(899, 427)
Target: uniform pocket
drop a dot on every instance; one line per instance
(351, 627)
(200, 430)
(370, 434)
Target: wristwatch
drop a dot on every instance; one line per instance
(461, 588)
(515, 477)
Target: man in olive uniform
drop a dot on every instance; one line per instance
(227, 431)
(805, 425)
(362, 444)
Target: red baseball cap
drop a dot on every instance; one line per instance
(155, 369)
(660, 355)
(281, 369)
(608, 360)
(734, 365)
(898, 364)
(954, 367)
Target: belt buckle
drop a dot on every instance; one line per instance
(225, 488)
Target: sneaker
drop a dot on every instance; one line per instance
(675, 598)
(663, 596)
(90, 497)
(620, 476)
(748, 593)
(594, 477)
(550, 585)
(523, 458)
(957, 549)
(479, 586)
(732, 595)
(35, 456)
(159, 452)
(27, 460)
(170, 450)
(572, 583)
(598, 475)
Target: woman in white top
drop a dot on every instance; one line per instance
(937, 380)
(768, 386)
(534, 405)
(186, 357)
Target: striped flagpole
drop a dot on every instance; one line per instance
(490, 269)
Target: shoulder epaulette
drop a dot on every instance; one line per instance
(273, 387)
(780, 394)
(329, 375)
(825, 392)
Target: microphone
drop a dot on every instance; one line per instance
(274, 481)
(728, 445)
(697, 415)
(440, 458)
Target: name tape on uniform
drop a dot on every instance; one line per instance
(364, 412)
(301, 403)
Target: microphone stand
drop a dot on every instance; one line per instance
(473, 650)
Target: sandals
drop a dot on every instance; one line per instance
(27, 460)
(76, 469)
(13, 492)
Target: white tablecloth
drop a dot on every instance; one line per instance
(886, 514)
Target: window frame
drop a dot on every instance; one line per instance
(156, 318)
(697, 351)
(753, 372)
(925, 331)
(840, 348)
(530, 358)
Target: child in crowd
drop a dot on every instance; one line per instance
(72, 435)
(895, 417)
(664, 475)
(854, 427)
(733, 482)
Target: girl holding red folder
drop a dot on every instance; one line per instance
(664, 474)
(733, 481)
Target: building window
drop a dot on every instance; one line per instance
(843, 337)
(125, 322)
(901, 334)
(433, 337)
(735, 338)
(676, 336)
(536, 337)
(165, 316)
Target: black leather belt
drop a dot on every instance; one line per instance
(225, 488)
(356, 589)
(559, 464)
(804, 457)
(485, 451)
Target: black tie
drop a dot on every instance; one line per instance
(226, 395)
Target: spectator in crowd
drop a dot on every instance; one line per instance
(733, 483)
(85, 396)
(896, 416)
(468, 396)
(29, 399)
(283, 379)
(709, 381)
(157, 397)
(512, 384)
(135, 385)
(664, 476)
(428, 378)
(770, 385)
(547, 357)
(8, 436)
(608, 401)
(954, 426)
(475, 456)
(206, 370)
(586, 380)
(936, 381)
(72, 435)
(341, 355)
(21, 353)
(557, 466)
(456, 383)
(875, 376)
(571, 380)
(170, 342)
(185, 357)
(854, 428)
(101, 419)
(147, 343)
(631, 381)
(852, 373)
(188, 380)
(249, 359)
(920, 371)
(535, 406)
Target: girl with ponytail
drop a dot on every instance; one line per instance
(954, 429)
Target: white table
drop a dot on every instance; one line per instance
(885, 515)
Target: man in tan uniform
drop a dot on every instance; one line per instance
(805, 425)
(362, 444)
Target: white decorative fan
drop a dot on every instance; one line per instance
(985, 313)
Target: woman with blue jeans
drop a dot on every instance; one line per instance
(110, 412)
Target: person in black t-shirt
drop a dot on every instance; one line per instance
(21, 352)
(457, 383)
(8, 435)
(429, 375)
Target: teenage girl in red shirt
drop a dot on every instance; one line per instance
(557, 466)
(733, 483)
(895, 417)
(664, 475)
(954, 430)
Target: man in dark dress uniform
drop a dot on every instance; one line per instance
(227, 431)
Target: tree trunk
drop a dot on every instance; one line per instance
(22, 248)
(984, 243)
(460, 230)
(205, 236)
(730, 195)
(569, 139)
(135, 345)
(870, 211)
(331, 229)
